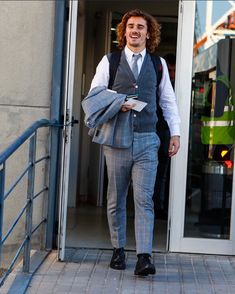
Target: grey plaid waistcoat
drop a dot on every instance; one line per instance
(144, 87)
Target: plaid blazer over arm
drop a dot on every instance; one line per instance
(108, 125)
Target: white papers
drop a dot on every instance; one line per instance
(139, 105)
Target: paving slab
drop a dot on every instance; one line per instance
(87, 271)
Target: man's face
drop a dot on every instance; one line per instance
(136, 33)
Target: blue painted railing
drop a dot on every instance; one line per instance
(31, 135)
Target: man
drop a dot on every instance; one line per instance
(138, 34)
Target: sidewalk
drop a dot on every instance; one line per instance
(87, 271)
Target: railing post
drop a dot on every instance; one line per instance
(2, 184)
(30, 194)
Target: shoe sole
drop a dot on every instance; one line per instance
(117, 267)
(145, 272)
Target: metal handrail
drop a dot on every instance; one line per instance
(30, 133)
(22, 138)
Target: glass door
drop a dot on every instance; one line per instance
(202, 186)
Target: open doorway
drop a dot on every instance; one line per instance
(86, 217)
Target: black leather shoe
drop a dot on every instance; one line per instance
(144, 267)
(118, 259)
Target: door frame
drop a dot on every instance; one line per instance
(177, 242)
(66, 140)
(67, 128)
(184, 57)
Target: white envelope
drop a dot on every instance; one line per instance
(139, 105)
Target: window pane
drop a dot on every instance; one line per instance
(212, 130)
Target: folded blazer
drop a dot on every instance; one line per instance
(108, 125)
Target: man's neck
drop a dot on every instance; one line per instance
(135, 49)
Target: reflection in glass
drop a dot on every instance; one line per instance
(212, 132)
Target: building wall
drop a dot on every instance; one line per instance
(26, 34)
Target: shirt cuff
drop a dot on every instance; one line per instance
(174, 130)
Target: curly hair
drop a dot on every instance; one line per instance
(152, 25)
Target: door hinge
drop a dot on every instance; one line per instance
(67, 122)
(65, 130)
(67, 133)
(67, 116)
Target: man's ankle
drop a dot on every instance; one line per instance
(143, 255)
(118, 249)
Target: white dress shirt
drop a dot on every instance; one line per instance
(167, 99)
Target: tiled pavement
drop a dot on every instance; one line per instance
(87, 271)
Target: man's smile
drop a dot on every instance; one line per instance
(135, 36)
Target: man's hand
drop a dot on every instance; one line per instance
(127, 106)
(174, 145)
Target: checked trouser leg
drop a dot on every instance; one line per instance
(139, 163)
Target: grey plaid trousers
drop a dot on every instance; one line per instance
(139, 164)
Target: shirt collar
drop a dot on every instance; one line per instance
(129, 53)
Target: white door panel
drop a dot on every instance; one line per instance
(192, 229)
(67, 130)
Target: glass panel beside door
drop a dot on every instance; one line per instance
(212, 129)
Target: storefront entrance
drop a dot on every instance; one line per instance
(199, 214)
